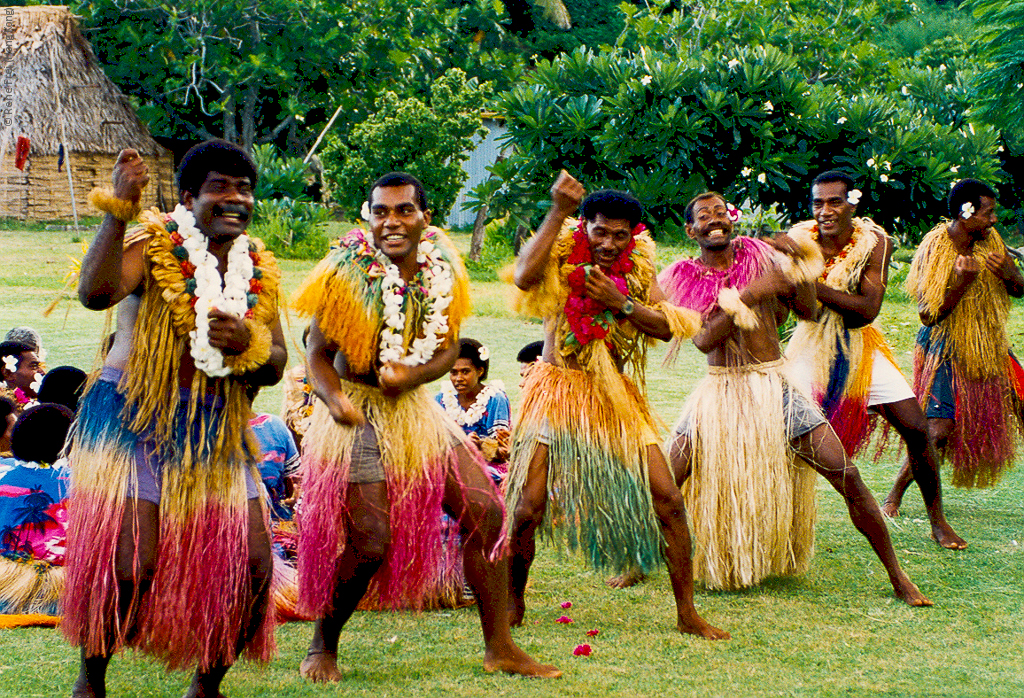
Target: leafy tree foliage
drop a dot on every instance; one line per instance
(429, 139)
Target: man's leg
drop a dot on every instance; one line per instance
(134, 565)
(939, 429)
(261, 567)
(908, 419)
(822, 449)
(365, 551)
(526, 518)
(470, 498)
(671, 512)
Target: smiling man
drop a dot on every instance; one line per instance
(735, 446)
(841, 357)
(167, 548)
(968, 381)
(379, 457)
(585, 449)
(22, 373)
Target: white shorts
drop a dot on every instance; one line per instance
(888, 384)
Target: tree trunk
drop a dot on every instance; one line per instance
(476, 245)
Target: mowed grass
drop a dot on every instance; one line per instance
(836, 631)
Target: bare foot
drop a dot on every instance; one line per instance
(515, 661)
(944, 535)
(693, 624)
(516, 609)
(891, 508)
(627, 579)
(909, 592)
(320, 666)
(82, 689)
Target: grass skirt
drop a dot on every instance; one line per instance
(599, 495)
(751, 505)
(417, 444)
(197, 605)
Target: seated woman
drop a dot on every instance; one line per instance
(483, 411)
(33, 515)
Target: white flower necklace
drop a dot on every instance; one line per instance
(475, 412)
(437, 283)
(229, 295)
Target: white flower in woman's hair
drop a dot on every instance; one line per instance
(853, 196)
(484, 353)
(364, 212)
(11, 363)
(37, 383)
(967, 210)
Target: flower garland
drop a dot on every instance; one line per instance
(589, 319)
(475, 412)
(855, 238)
(236, 293)
(436, 281)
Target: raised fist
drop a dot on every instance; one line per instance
(566, 193)
(130, 176)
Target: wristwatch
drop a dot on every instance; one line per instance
(628, 307)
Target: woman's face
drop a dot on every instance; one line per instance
(465, 376)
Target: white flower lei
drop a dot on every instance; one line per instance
(228, 295)
(437, 283)
(475, 412)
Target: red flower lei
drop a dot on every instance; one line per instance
(589, 319)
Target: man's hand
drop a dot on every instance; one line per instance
(130, 176)
(566, 194)
(344, 412)
(395, 378)
(966, 269)
(603, 290)
(228, 333)
(785, 244)
(1001, 265)
(771, 284)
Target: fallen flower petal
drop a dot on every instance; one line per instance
(567, 604)
(563, 619)
(593, 633)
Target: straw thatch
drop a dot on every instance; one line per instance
(55, 91)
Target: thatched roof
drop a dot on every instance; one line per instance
(47, 44)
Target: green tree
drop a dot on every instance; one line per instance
(429, 139)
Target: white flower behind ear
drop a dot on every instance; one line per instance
(364, 212)
(485, 353)
(967, 210)
(37, 383)
(734, 213)
(853, 196)
(11, 363)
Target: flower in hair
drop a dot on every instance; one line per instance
(967, 210)
(37, 383)
(734, 213)
(484, 352)
(364, 212)
(11, 363)
(853, 196)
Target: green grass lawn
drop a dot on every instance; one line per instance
(836, 631)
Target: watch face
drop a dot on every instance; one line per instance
(628, 307)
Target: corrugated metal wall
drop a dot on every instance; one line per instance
(486, 153)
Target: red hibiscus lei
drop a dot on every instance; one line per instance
(589, 319)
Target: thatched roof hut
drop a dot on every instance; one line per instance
(54, 92)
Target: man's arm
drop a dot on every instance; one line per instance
(965, 271)
(648, 320)
(861, 307)
(323, 378)
(397, 378)
(1003, 266)
(720, 325)
(108, 272)
(566, 194)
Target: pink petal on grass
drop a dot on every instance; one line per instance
(567, 604)
(593, 633)
(582, 651)
(563, 619)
